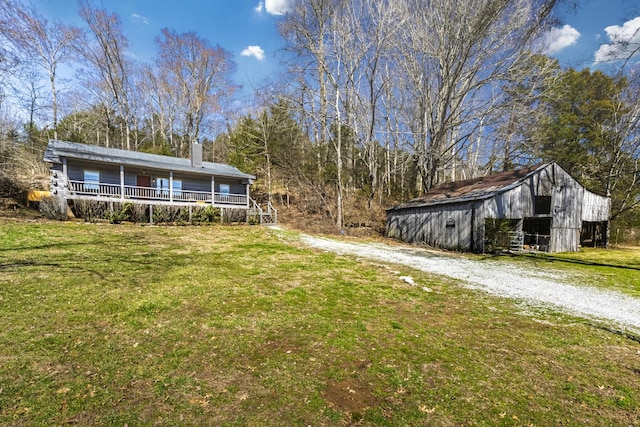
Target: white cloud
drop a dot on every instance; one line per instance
(556, 39)
(259, 7)
(141, 18)
(255, 51)
(624, 41)
(277, 7)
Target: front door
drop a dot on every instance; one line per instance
(143, 180)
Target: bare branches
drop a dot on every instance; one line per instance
(196, 79)
(104, 50)
(43, 43)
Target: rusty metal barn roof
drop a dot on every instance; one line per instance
(471, 189)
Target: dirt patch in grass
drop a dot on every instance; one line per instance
(351, 396)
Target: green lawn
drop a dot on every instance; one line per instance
(240, 326)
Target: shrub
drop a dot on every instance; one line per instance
(166, 214)
(235, 215)
(497, 233)
(122, 214)
(90, 210)
(205, 215)
(138, 212)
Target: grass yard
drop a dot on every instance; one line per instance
(240, 326)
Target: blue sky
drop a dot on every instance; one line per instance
(583, 39)
(247, 28)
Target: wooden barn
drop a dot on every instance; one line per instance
(540, 208)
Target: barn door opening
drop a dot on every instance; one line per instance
(537, 233)
(594, 234)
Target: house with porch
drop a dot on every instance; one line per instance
(90, 172)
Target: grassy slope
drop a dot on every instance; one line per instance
(110, 325)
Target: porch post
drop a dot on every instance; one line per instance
(213, 190)
(63, 191)
(247, 191)
(122, 182)
(171, 186)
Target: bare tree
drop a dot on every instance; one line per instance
(316, 42)
(45, 44)
(199, 77)
(9, 58)
(366, 31)
(411, 72)
(452, 54)
(104, 48)
(624, 151)
(161, 108)
(520, 105)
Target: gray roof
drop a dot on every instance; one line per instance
(56, 150)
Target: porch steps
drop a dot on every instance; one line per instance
(265, 217)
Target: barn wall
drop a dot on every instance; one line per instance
(566, 201)
(448, 227)
(515, 203)
(595, 208)
(570, 205)
(566, 205)
(564, 239)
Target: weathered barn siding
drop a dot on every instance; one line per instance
(454, 217)
(595, 208)
(448, 227)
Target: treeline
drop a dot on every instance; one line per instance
(380, 102)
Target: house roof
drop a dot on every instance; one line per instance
(471, 189)
(56, 150)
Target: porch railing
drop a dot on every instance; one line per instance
(84, 188)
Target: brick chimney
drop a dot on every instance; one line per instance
(196, 155)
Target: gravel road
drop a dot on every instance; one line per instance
(534, 286)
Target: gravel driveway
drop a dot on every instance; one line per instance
(534, 286)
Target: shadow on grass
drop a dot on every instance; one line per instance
(579, 261)
(28, 264)
(37, 247)
(23, 264)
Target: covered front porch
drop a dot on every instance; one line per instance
(151, 195)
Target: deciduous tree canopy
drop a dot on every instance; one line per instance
(382, 100)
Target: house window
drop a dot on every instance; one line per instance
(225, 190)
(162, 184)
(91, 180)
(542, 205)
(177, 188)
